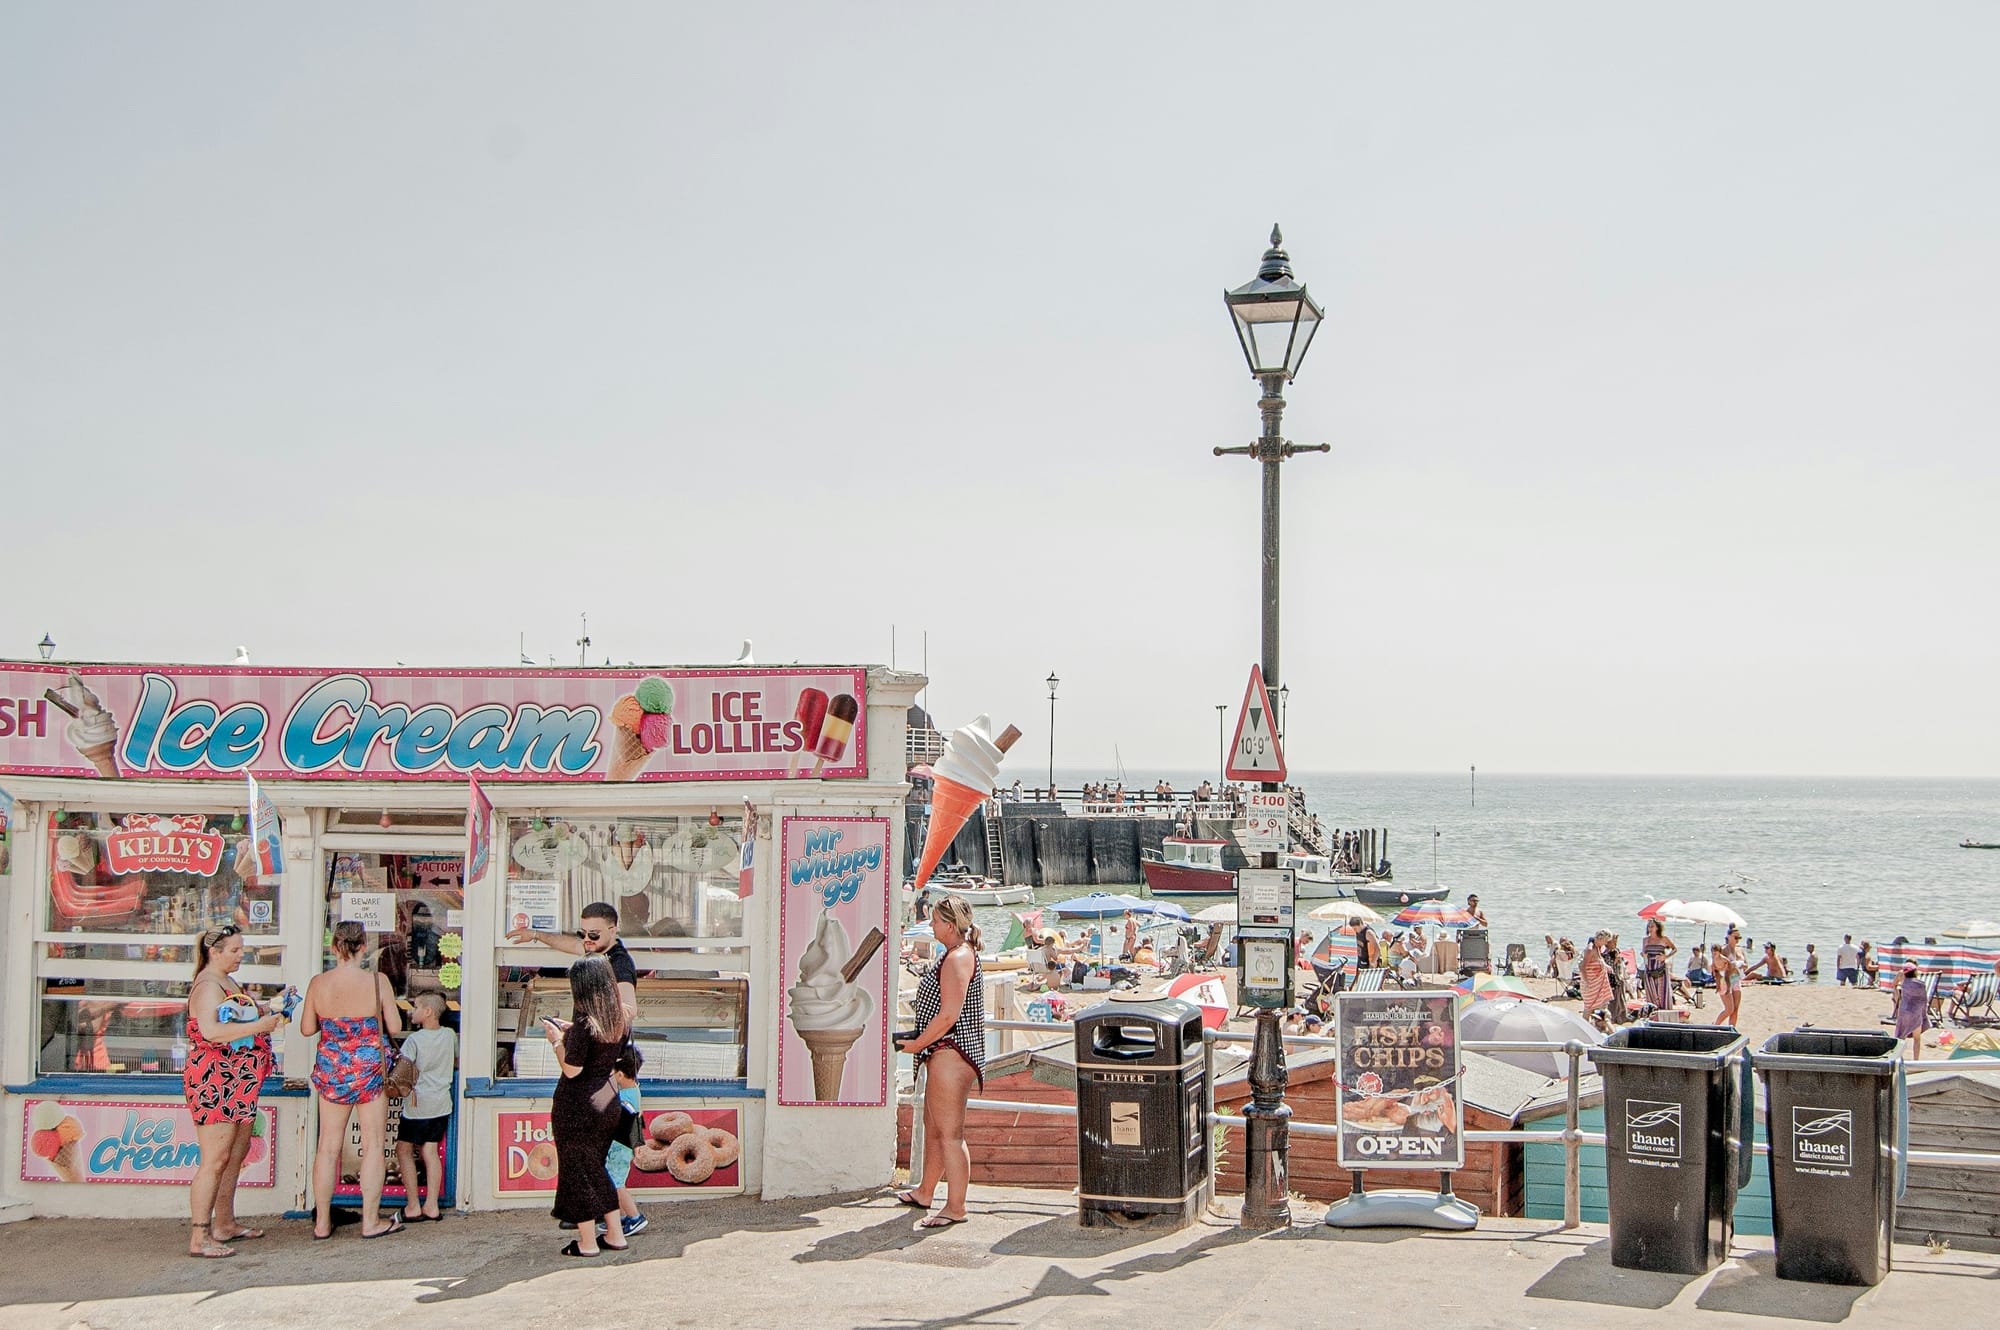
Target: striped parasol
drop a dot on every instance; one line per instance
(1438, 914)
(1483, 986)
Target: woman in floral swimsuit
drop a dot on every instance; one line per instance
(221, 1084)
(353, 1011)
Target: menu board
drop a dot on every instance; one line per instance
(1399, 1070)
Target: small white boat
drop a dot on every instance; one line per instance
(1317, 880)
(977, 890)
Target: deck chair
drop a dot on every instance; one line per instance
(1368, 981)
(1514, 959)
(1974, 1003)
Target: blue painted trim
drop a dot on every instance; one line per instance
(481, 1087)
(147, 1085)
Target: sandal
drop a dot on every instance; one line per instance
(623, 1246)
(908, 1196)
(211, 1250)
(240, 1235)
(574, 1250)
(393, 1226)
(940, 1221)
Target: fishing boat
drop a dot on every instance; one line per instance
(1317, 880)
(978, 889)
(1970, 844)
(1186, 866)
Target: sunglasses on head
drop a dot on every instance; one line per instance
(216, 935)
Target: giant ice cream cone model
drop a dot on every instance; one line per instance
(966, 775)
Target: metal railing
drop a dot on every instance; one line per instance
(1572, 1137)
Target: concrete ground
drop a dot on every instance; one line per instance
(853, 1261)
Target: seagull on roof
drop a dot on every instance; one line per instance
(743, 657)
(242, 656)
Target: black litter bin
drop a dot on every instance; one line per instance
(1141, 1135)
(1679, 1121)
(1834, 1113)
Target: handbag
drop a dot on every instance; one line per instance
(631, 1129)
(399, 1071)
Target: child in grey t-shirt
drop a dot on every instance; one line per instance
(427, 1111)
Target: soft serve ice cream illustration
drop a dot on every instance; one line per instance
(94, 731)
(830, 1010)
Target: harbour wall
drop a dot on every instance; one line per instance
(1041, 847)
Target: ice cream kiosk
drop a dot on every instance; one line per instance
(743, 822)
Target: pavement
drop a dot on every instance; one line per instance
(854, 1261)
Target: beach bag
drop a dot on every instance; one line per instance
(399, 1072)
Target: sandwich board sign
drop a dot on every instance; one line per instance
(1254, 754)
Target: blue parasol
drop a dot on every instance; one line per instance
(1101, 905)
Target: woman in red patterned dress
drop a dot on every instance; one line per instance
(221, 1085)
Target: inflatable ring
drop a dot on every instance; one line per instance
(690, 1160)
(721, 1144)
(542, 1162)
(665, 1127)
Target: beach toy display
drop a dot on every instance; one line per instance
(965, 776)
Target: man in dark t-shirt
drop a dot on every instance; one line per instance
(597, 937)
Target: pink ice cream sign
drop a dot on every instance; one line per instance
(497, 725)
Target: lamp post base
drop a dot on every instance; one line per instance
(1267, 1202)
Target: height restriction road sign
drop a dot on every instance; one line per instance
(1254, 754)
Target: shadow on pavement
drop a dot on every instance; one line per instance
(1589, 1276)
(1751, 1286)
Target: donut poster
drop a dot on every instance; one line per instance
(833, 961)
(704, 1150)
(1399, 1071)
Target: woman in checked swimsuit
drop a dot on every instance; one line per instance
(951, 1003)
(353, 1011)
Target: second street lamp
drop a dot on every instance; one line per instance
(1053, 681)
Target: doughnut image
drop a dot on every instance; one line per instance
(667, 1126)
(651, 1158)
(542, 1162)
(690, 1160)
(721, 1144)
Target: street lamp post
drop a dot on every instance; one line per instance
(47, 646)
(1221, 748)
(1053, 681)
(1275, 321)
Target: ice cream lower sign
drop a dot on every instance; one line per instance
(543, 725)
(138, 1142)
(833, 924)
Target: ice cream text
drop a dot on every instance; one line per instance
(835, 873)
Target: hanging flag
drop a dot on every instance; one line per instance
(264, 833)
(746, 876)
(478, 834)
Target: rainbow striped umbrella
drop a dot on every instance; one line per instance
(1484, 986)
(1438, 914)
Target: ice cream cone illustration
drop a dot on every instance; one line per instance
(829, 1009)
(94, 731)
(641, 723)
(829, 1055)
(68, 1163)
(965, 777)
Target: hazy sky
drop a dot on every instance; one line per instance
(1658, 366)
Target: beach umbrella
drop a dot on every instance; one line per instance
(1164, 909)
(1204, 991)
(1973, 928)
(1653, 910)
(1218, 914)
(1700, 912)
(919, 930)
(1346, 911)
(1100, 905)
(1514, 1020)
(1438, 914)
(1490, 986)
(1340, 947)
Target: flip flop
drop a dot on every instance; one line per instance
(419, 1218)
(574, 1250)
(322, 1237)
(395, 1226)
(213, 1253)
(940, 1221)
(242, 1235)
(908, 1197)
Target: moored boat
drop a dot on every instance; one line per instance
(1186, 866)
(1969, 844)
(1317, 880)
(1389, 893)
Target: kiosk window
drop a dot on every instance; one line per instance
(128, 894)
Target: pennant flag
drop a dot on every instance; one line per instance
(746, 875)
(264, 833)
(478, 834)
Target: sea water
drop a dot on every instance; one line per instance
(1815, 857)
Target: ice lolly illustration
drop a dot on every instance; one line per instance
(835, 730)
(810, 714)
(829, 1009)
(965, 776)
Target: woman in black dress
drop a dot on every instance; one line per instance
(585, 1112)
